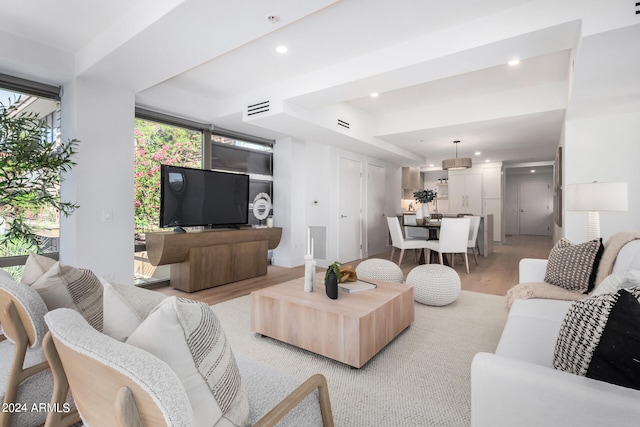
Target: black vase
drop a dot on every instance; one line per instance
(331, 285)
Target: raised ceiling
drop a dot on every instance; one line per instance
(440, 68)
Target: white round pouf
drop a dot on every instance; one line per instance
(379, 269)
(434, 284)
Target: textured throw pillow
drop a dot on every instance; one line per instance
(187, 336)
(125, 307)
(600, 338)
(574, 267)
(75, 288)
(616, 281)
(35, 266)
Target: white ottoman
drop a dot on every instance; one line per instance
(379, 269)
(434, 284)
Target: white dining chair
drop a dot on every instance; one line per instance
(473, 236)
(400, 242)
(454, 235)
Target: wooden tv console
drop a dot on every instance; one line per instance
(207, 258)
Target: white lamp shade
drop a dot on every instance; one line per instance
(597, 196)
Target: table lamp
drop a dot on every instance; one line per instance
(594, 198)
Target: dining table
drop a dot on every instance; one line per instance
(433, 225)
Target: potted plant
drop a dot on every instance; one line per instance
(424, 197)
(30, 175)
(331, 280)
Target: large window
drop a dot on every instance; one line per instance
(160, 139)
(155, 144)
(246, 155)
(41, 101)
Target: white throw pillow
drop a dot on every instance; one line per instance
(63, 286)
(35, 266)
(125, 307)
(616, 281)
(187, 335)
(635, 262)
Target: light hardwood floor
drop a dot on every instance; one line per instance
(494, 274)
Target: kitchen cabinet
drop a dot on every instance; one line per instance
(411, 179)
(492, 182)
(443, 190)
(465, 192)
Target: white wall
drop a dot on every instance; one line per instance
(306, 194)
(99, 235)
(604, 149)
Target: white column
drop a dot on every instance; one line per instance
(99, 235)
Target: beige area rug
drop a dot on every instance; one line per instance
(422, 378)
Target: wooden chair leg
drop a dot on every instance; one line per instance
(317, 381)
(466, 261)
(60, 387)
(474, 255)
(401, 255)
(393, 250)
(440, 257)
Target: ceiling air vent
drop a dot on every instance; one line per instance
(259, 108)
(344, 124)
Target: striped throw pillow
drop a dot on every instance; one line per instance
(187, 335)
(64, 286)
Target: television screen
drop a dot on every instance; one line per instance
(195, 197)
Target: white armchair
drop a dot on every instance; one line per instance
(129, 386)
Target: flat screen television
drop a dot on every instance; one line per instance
(197, 197)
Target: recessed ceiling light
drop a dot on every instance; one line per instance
(487, 161)
(477, 153)
(431, 165)
(375, 94)
(282, 49)
(273, 18)
(532, 171)
(514, 62)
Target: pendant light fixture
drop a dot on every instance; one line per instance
(456, 163)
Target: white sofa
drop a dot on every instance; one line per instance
(517, 386)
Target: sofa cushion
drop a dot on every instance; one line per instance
(35, 266)
(574, 267)
(529, 339)
(616, 281)
(540, 308)
(125, 307)
(187, 336)
(63, 286)
(600, 338)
